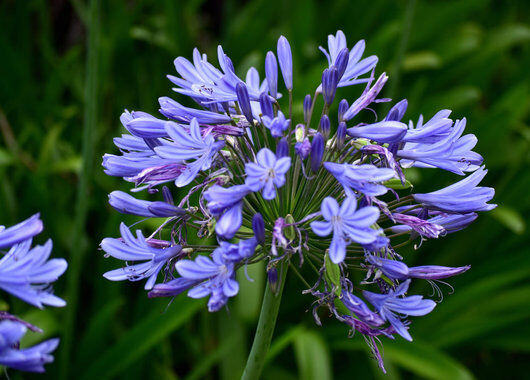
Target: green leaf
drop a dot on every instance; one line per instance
(395, 183)
(509, 218)
(421, 60)
(417, 357)
(5, 157)
(332, 273)
(145, 335)
(312, 356)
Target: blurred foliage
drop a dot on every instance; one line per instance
(469, 56)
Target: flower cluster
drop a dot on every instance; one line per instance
(26, 273)
(259, 185)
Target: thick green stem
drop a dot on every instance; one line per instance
(266, 324)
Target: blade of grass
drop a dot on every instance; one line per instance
(77, 247)
(141, 338)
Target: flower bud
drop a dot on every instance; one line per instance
(341, 63)
(325, 126)
(258, 226)
(307, 108)
(168, 197)
(341, 134)
(285, 58)
(271, 72)
(266, 105)
(330, 79)
(303, 148)
(317, 152)
(282, 149)
(343, 107)
(244, 101)
(272, 277)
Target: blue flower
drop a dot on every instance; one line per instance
(268, 173)
(277, 125)
(225, 204)
(24, 359)
(356, 67)
(397, 270)
(425, 228)
(461, 197)
(20, 232)
(358, 307)
(452, 152)
(172, 288)
(346, 223)
(382, 132)
(368, 96)
(176, 111)
(127, 204)
(131, 249)
(189, 145)
(366, 179)
(204, 82)
(26, 273)
(388, 305)
(217, 275)
(237, 252)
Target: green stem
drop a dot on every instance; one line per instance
(79, 239)
(266, 324)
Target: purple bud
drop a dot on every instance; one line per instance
(168, 197)
(172, 288)
(228, 64)
(282, 149)
(303, 148)
(330, 79)
(343, 107)
(163, 209)
(307, 108)
(435, 272)
(317, 152)
(244, 101)
(286, 61)
(266, 105)
(341, 63)
(271, 72)
(325, 126)
(272, 277)
(341, 134)
(258, 226)
(396, 113)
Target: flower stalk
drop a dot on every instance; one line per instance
(266, 324)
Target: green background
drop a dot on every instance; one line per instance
(68, 69)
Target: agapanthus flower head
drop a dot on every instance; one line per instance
(26, 273)
(261, 183)
(30, 359)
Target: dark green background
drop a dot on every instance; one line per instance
(61, 94)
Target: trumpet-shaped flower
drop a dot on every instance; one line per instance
(131, 249)
(345, 223)
(391, 305)
(217, 275)
(24, 359)
(26, 273)
(267, 174)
